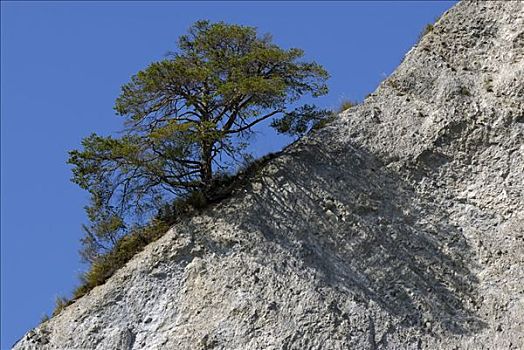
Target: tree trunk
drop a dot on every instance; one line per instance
(206, 169)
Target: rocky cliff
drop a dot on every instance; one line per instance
(398, 226)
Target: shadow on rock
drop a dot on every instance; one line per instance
(365, 231)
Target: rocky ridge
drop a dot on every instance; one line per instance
(398, 226)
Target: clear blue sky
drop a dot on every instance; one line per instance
(62, 66)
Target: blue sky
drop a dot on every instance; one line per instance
(62, 65)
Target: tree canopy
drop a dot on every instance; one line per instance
(187, 117)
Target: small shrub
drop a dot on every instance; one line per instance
(252, 169)
(346, 104)
(44, 318)
(196, 200)
(427, 29)
(393, 83)
(60, 304)
(322, 124)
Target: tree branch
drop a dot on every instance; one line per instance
(256, 121)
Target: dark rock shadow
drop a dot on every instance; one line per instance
(365, 230)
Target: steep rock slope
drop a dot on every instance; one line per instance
(398, 226)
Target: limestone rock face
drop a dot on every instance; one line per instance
(398, 226)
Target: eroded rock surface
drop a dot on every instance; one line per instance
(398, 226)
